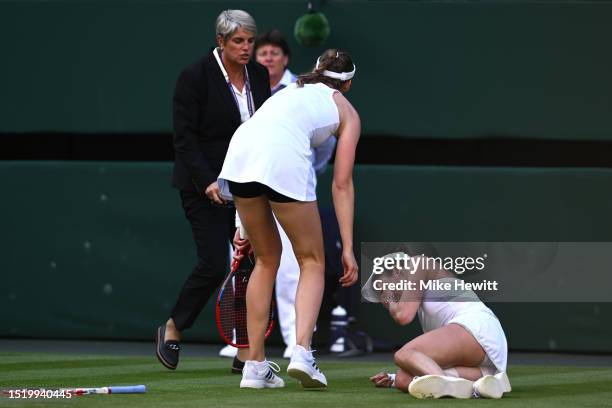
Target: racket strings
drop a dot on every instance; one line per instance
(232, 310)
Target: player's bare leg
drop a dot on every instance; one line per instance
(427, 356)
(301, 222)
(257, 219)
(432, 352)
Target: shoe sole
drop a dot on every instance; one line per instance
(489, 387)
(258, 384)
(251, 384)
(299, 372)
(159, 340)
(436, 386)
(493, 386)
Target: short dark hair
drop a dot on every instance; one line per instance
(273, 37)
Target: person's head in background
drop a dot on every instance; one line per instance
(272, 51)
(334, 68)
(235, 31)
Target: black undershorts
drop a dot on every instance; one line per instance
(254, 189)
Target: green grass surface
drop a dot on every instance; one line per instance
(206, 382)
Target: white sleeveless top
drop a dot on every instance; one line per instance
(274, 146)
(439, 307)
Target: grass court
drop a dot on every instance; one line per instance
(206, 382)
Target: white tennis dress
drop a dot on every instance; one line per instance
(463, 307)
(274, 146)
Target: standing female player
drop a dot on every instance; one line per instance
(268, 170)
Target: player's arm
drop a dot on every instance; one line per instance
(403, 312)
(405, 309)
(343, 192)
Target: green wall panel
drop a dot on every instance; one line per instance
(426, 69)
(100, 250)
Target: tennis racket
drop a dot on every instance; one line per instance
(124, 389)
(77, 392)
(231, 312)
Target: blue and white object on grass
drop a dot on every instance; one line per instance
(127, 389)
(121, 389)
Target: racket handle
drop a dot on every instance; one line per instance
(127, 389)
(242, 232)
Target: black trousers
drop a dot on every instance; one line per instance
(213, 229)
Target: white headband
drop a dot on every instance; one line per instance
(343, 76)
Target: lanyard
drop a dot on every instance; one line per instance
(247, 84)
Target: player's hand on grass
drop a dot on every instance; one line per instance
(214, 194)
(350, 269)
(382, 380)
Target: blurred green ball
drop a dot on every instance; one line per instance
(311, 30)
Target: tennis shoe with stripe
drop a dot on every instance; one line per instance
(261, 374)
(303, 367)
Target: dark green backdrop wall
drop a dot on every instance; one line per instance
(99, 250)
(443, 69)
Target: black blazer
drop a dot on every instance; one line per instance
(205, 118)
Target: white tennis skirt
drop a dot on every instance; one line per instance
(487, 330)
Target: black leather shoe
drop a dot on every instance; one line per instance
(167, 351)
(237, 366)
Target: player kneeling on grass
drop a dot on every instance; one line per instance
(463, 350)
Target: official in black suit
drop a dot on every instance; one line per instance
(212, 98)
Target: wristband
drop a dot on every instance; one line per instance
(392, 377)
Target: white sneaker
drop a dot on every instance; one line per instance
(228, 351)
(436, 386)
(304, 368)
(288, 352)
(492, 386)
(504, 380)
(261, 374)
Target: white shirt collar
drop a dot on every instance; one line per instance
(287, 79)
